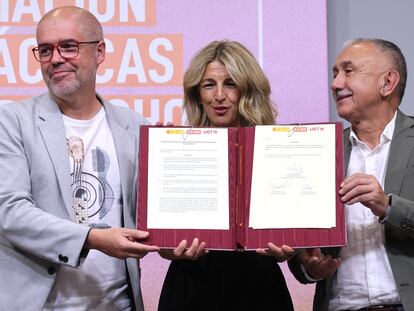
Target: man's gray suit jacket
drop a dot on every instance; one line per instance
(37, 234)
(399, 225)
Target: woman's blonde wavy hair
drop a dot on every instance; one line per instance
(255, 106)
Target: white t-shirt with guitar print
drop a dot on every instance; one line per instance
(100, 282)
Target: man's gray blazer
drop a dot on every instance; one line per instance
(37, 234)
(399, 225)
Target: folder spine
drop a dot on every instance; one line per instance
(240, 191)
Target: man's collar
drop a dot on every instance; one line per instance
(386, 134)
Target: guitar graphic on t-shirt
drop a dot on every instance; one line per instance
(90, 195)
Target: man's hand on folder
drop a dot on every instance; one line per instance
(195, 251)
(281, 253)
(119, 242)
(317, 265)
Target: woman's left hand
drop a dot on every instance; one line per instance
(193, 252)
(280, 253)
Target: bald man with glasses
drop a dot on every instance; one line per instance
(67, 186)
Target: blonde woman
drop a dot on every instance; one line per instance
(225, 87)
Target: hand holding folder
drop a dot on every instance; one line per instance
(184, 250)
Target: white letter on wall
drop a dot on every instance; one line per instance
(108, 74)
(110, 10)
(24, 65)
(169, 108)
(131, 52)
(7, 70)
(4, 11)
(20, 9)
(168, 65)
(138, 9)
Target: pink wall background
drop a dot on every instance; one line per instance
(289, 38)
(294, 45)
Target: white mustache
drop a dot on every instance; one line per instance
(342, 93)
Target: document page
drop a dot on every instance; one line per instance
(293, 180)
(188, 184)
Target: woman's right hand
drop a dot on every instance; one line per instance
(195, 251)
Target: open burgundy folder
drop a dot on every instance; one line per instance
(239, 234)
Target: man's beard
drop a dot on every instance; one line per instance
(69, 85)
(64, 89)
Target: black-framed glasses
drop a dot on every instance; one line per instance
(68, 49)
